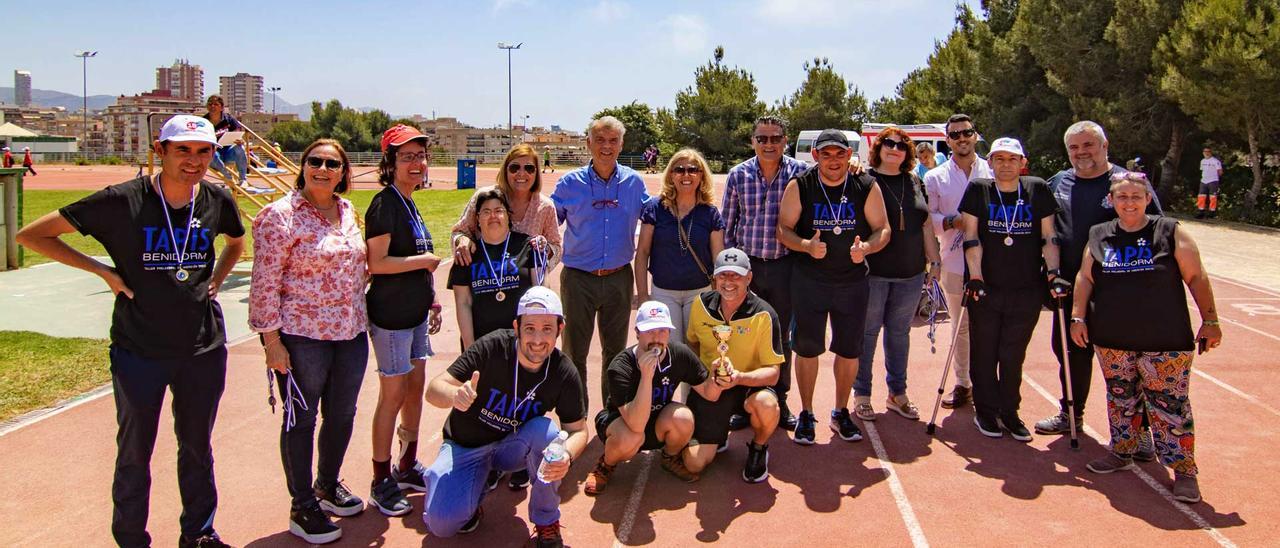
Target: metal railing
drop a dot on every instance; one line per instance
(447, 159)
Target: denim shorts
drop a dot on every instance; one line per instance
(394, 348)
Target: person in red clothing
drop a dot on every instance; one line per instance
(8, 157)
(27, 162)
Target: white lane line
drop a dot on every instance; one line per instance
(918, 539)
(1241, 324)
(633, 502)
(1146, 478)
(1250, 398)
(1249, 286)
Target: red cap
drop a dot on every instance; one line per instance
(400, 134)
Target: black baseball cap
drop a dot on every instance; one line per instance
(830, 138)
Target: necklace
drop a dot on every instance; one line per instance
(181, 274)
(837, 213)
(899, 198)
(515, 380)
(1008, 221)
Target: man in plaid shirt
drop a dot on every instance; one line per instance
(750, 209)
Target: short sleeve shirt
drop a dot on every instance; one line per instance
(1209, 169)
(510, 273)
(399, 301)
(756, 338)
(1009, 229)
(671, 255)
(679, 365)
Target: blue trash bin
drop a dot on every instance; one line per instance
(466, 173)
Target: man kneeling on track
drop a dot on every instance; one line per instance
(641, 415)
(747, 371)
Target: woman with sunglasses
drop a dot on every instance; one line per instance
(680, 233)
(402, 311)
(486, 291)
(532, 214)
(897, 273)
(305, 302)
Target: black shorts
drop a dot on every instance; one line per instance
(1210, 189)
(813, 302)
(605, 417)
(711, 418)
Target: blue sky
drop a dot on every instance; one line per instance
(418, 57)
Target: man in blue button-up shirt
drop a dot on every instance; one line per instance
(600, 205)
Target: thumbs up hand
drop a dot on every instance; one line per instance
(815, 246)
(858, 251)
(466, 394)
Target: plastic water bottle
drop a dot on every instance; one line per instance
(555, 452)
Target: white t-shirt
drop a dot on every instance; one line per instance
(1209, 169)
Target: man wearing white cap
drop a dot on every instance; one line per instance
(500, 390)
(1009, 233)
(167, 329)
(641, 414)
(8, 157)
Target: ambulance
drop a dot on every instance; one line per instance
(861, 141)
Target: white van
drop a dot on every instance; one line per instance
(804, 144)
(934, 134)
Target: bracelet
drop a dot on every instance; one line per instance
(1077, 320)
(1211, 323)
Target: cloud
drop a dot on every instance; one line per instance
(686, 33)
(608, 11)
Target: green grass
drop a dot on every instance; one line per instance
(38, 370)
(439, 208)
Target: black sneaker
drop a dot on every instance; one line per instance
(312, 525)
(842, 424)
(388, 498)
(491, 482)
(1057, 424)
(1200, 214)
(805, 425)
(738, 422)
(1016, 428)
(472, 524)
(989, 426)
(209, 540)
(757, 468)
(1146, 447)
(786, 420)
(414, 478)
(519, 480)
(336, 499)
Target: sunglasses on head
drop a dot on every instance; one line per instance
(890, 143)
(330, 163)
(686, 170)
(961, 133)
(515, 168)
(770, 139)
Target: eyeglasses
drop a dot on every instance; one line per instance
(900, 145)
(770, 139)
(961, 133)
(515, 168)
(328, 163)
(492, 212)
(686, 170)
(602, 204)
(411, 157)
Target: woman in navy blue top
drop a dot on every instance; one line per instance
(680, 233)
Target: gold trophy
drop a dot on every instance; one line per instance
(722, 333)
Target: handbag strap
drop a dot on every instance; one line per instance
(684, 237)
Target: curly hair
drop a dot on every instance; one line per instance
(668, 195)
(908, 163)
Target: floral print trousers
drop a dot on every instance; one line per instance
(1162, 379)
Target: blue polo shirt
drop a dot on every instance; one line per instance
(598, 234)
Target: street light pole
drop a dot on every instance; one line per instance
(274, 90)
(509, 47)
(84, 95)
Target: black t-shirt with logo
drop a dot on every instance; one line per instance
(1015, 215)
(165, 318)
(1136, 281)
(403, 300)
(497, 410)
(679, 365)
(904, 256)
(824, 209)
(1084, 203)
(511, 274)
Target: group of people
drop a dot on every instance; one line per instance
(722, 297)
(27, 162)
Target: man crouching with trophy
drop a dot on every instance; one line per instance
(738, 338)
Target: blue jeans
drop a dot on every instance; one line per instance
(234, 154)
(455, 481)
(891, 305)
(329, 374)
(395, 349)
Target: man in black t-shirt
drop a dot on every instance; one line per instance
(500, 390)
(641, 414)
(166, 328)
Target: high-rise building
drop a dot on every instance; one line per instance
(183, 80)
(22, 88)
(126, 121)
(241, 93)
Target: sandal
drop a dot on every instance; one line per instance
(863, 410)
(902, 405)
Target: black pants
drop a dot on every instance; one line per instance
(328, 373)
(1000, 327)
(139, 383)
(771, 281)
(1081, 364)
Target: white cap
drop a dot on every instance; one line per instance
(1007, 144)
(185, 127)
(539, 300)
(732, 260)
(653, 315)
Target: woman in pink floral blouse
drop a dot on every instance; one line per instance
(532, 214)
(306, 301)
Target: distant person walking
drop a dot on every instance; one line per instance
(28, 163)
(1210, 183)
(8, 157)
(651, 159)
(546, 161)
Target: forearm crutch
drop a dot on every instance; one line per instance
(946, 369)
(1066, 371)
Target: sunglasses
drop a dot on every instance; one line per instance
(515, 168)
(900, 145)
(770, 139)
(686, 170)
(329, 163)
(961, 133)
(605, 204)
